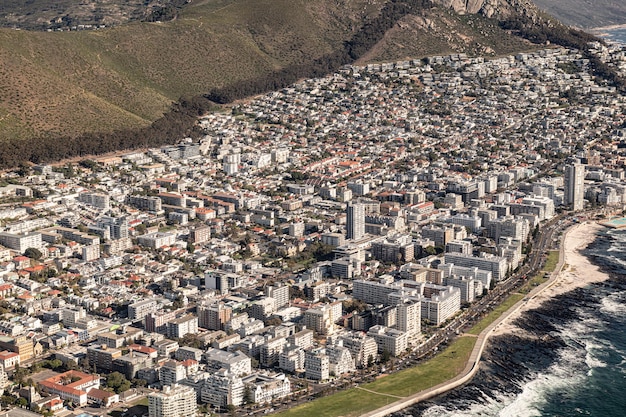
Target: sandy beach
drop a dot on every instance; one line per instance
(577, 272)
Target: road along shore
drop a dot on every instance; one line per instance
(572, 271)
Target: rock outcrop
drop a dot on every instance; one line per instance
(497, 9)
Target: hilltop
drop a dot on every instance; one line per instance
(69, 83)
(56, 87)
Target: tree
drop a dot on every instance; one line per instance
(191, 340)
(118, 382)
(352, 305)
(141, 228)
(178, 302)
(19, 374)
(274, 321)
(33, 253)
(295, 292)
(248, 398)
(138, 382)
(53, 364)
(430, 250)
(6, 400)
(84, 364)
(70, 364)
(190, 247)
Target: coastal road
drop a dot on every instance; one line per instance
(544, 242)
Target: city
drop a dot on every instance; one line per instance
(311, 234)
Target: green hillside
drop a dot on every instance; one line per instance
(75, 93)
(67, 83)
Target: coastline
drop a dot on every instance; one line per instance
(520, 342)
(559, 357)
(573, 271)
(577, 271)
(604, 28)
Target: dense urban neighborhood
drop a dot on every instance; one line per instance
(310, 238)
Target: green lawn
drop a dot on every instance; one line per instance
(143, 401)
(439, 369)
(552, 261)
(352, 402)
(496, 313)
(534, 282)
(355, 401)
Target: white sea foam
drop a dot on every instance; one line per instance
(591, 360)
(586, 352)
(576, 330)
(613, 304)
(618, 260)
(489, 407)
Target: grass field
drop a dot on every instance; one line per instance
(537, 280)
(143, 401)
(496, 313)
(385, 390)
(552, 261)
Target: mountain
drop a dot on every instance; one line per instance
(68, 83)
(56, 87)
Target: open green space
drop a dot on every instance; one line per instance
(435, 371)
(356, 401)
(535, 281)
(496, 313)
(552, 261)
(143, 401)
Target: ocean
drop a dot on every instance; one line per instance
(616, 35)
(570, 362)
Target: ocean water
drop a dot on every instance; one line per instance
(616, 35)
(572, 361)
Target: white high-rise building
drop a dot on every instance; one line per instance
(231, 163)
(409, 318)
(174, 401)
(574, 186)
(355, 222)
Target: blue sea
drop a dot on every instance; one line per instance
(616, 35)
(572, 361)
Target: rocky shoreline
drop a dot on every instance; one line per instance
(512, 360)
(532, 342)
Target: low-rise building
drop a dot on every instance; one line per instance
(71, 385)
(265, 387)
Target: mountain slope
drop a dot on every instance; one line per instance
(69, 84)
